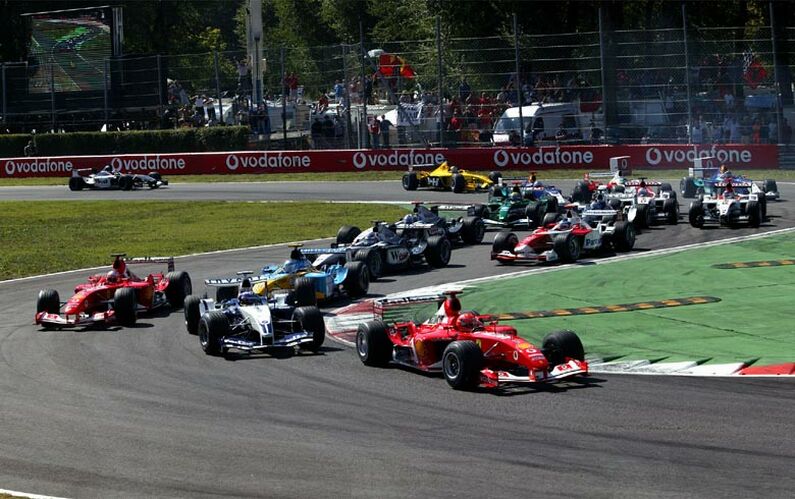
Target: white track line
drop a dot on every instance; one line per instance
(25, 494)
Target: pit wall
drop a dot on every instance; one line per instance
(664, 156)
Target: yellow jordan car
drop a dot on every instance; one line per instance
(447, 178)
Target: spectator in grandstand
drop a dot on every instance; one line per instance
(772, 132)
(764, 131)
(514, 139)
(594, 133)
(317, 133)
(209, 104)
(464, 90)
(30, 148)
(385, 125)
(243, 81)
(786, 133)
(263, 121)
(696, 134)
(368, 90)
(339, 91)
(561, 135)
(291, 82)
(375, 132)
(322, 103)
(734, 131)
(198, 103)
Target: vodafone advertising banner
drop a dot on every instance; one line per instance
(740, 157)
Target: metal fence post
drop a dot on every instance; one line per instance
(687, 76)
(603, 73)
(52, 99)
(3, 83)
(105, 91)
(518, 81)
(218, 87)
(284, 98)
(440, 79)
(365, 131)
(776, 83)
(346, 99)
(159, 86)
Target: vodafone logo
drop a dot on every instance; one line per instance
(656, 156)
(147, 163)
(38, 165)
(549, 156)
(363, 159)
(280, 160)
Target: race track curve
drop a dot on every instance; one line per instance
(142, 412)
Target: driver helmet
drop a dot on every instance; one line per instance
(564, 224)
(453, 169)
(108, 169)
(292, 265)
(245, 285)
(112, 276)
(600, 197)
(247, 298)
(409, 219)
(515, 197)
(468, 321)
(119, 266)
(452, 306)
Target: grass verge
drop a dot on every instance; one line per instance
(51, 236)
(783, 175)
(752, 322)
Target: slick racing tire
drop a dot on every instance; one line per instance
(225, 293)
(213, 326)
(687, 186)
(357, 282)
(126, 182)
(550, 218)
(373, 345)
(310, 319)
(770, 186)
(192, 313)
(495, 177)
(754, 211)
(762, 205)
(461, 365)
(666, 187)
(643, 216)
(76, 183)
(581, 193)
(372, 260)
(535, 213)
(438, 252)
(695, 214)
(559, 345)
(567, 247)
(504, 241)
(671, 210)
(623, 237)
(459, 183)
(124, 305)
(473, 230)
(304, 292)
(347, 234)
(179, 286)
(48, 301)
(480, 210)
(410, 181)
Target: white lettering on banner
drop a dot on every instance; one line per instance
(395, 158)
(147, 163)
(233, 161)
(655, 156)
(555, 156)
(44, 165)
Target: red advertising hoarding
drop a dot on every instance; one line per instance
(738, 157)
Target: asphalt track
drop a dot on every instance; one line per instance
(142, 412)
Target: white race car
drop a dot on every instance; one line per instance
(108, 178)
(727, 207)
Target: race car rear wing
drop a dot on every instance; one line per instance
(231, 281)
(338, 250)
(734, 184)
(168, 260)
(599, 213)
(649, 183)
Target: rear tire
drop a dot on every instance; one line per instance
(179, 286)
(372, 260)
(559, 345)
(357, 282)
(126, 182)
(192, 313)
(213, 326)
(473, 230)
(549, 218)
(461, 365)
(124, 304)
(495, 177)
(410, 181)
(688, 187)
(695, 214)
(48, 301)
(623, 237)
(304, 292)
(347, 234)
(438, 252)
(373, 345)
(671, 210)
(770, 186)
(310, 319)
(754, 210)
(76, 183)
(459, 183)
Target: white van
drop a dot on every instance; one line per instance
(545, 118)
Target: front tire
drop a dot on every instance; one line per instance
(623, 237)
(567, 247)
(357, 281)
(504, 241)
(473, 230)
(410, 181)
(124, 304)
(347, 234)
(438, 252)
(76, 183)
(48, 301)
(373, 345)
(192, 312)
(459, 183)
(213, 326)
(559, 345)
(461, 365)
(304, 292)
(372, 260)
(310, 319)
(671, 210)
(695, 214)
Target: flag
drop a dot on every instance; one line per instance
(393, 65)
(754, 73)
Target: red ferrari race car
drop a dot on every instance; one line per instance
(564, 240)
(470, 350)
(115, 297)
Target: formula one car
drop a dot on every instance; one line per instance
(309, 283)
(384, 248)
(703, 180)
(564, 240)
(447, 178)
(469, 349)
(468, 229)
(643, 206)
(252, 323)
(114, 298)
(108, 178)
(727, 207)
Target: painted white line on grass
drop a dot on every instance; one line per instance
(25, 494)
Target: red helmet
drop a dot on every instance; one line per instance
(468, 321)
